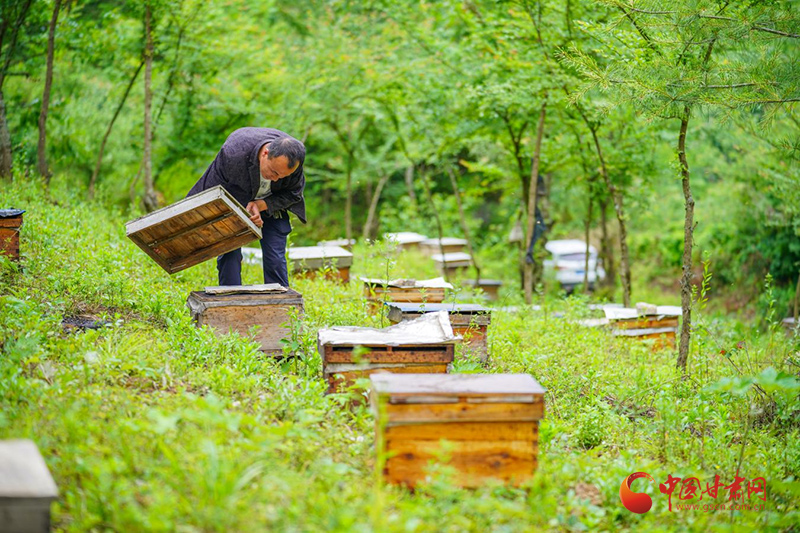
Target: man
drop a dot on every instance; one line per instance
(263, 169)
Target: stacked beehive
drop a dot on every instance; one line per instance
(378, 291)
(309, 261)
(647, 321)
(10, 224)
(265, 309)
(424, 345)
(484, 426)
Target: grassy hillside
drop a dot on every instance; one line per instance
(152, 424)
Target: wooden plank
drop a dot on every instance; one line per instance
(191, 228)
(443, 353)
(209, 252)
(520, 431)
(476, 462)
(269, 319)
(461, 411)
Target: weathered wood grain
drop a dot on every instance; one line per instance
(443, 353)
(475, 461)
(519, 431)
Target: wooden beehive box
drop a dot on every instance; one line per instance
(490, 287)
(446, 245)
(656, 323)
(471, 321)
(378, 291)
(26, 488)
(334, 261)
(424, 345)
(239, 308)
(490, 423)
(193, 230)
(453, 263)
(10, 225)
(405, 240)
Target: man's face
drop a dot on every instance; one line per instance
(275, 168)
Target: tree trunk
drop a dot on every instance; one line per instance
(6, 159)
(440, 231)
(616, 196)
(369, 227)
(99, 162)
(150, 200)
(348, 202)
(586, 227)
(531, 208)
(796, 301)
(464, 226)
(607, 249)
(409, 176)
(48, 83)
(688, 235)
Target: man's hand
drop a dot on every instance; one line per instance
(255, 208)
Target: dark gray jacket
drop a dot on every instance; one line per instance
(236, 169)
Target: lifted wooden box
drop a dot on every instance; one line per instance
(239, 308)
(308, 261)
(26, 488)
(424, 345)
(471, 321)
(193, 230)
(490, 423)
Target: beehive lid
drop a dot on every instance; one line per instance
(319, 256)
(445, 241)
(485, 282)
(23, 472)
(199, 301)
(405, 237)
(461, 309)
(451, 388)
(453, 259)
(11, 213)
(431, 328)
(434, 283)
(625, 313)
(193, 230)
(266, 288)
(338, 242)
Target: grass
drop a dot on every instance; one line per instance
(150, 424)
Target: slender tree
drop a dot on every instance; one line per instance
(150, 199)
(48, 83)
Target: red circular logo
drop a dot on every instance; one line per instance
(635, 502)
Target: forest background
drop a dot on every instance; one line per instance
(411, 111)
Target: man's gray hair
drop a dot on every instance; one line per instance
(289, 147)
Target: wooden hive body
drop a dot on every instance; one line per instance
(491, 287)
(26, 488)
(9, 236)
(471, 321)
(345, 360)
(484, 426)
(308, 261)
(447, 245)
(193, 230)
(240, 312)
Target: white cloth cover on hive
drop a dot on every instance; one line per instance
(430, 328)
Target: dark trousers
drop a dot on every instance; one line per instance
(273, 249)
